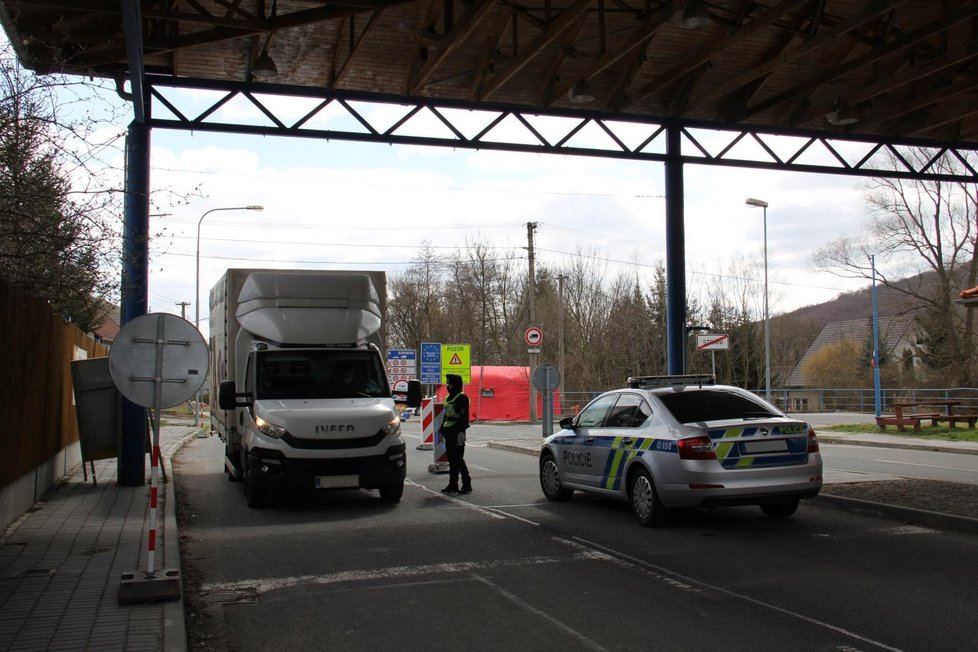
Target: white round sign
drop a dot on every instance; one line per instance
(533, 336)
(158, 351)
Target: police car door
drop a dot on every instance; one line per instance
(620, 438)
(576, 454)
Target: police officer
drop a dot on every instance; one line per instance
(453, 427)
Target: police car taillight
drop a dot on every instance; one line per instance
(696, 448)
(812, 440)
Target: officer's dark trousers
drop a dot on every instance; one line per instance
(456, 460)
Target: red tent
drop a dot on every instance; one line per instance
(501, 394)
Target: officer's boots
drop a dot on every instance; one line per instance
(466, 487)
(452, 488)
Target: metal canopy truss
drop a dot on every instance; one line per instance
(259, 109)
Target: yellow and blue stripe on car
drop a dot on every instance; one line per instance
(736, 448)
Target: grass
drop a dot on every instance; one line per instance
(944, 433)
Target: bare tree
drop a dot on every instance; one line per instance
(922, 234)
(58, 235)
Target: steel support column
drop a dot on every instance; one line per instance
(675, 251)
(135, 292)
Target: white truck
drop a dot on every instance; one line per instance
(298, 364)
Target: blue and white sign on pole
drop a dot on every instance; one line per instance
(431, 363)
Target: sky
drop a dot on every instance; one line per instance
(343, 205)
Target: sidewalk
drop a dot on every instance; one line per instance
(62, 563)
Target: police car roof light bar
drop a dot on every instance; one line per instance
(647, 382)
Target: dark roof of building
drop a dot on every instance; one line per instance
(892, 330)
(886, 69)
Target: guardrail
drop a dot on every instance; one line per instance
(826, 399)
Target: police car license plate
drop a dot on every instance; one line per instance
(766, 446)
(337, 481)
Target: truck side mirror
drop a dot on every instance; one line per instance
(414, 393)
(226, 398)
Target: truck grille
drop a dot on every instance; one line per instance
(334, 444)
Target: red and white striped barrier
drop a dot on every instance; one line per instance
(439, 451)
(427, 424)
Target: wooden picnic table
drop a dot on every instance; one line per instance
(947, 405)
(901, 418)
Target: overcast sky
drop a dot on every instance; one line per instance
(341, 205)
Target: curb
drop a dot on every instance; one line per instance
(907, 514)
(515, 448)
(174, 626)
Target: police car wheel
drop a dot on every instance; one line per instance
(780, 509)
(645, 500)
(550, 482)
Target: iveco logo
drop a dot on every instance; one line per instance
(342, 427)
(765, 432)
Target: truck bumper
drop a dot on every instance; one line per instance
(270, 469)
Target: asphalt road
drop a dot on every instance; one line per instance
(502, 568)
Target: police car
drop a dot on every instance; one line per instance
(668, 442)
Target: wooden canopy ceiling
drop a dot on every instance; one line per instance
(888, 69)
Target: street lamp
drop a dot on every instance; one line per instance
(197, 284)
(767, 326)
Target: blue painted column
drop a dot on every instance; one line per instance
(135, 292)
(675, 252)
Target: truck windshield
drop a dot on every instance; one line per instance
(324, 373)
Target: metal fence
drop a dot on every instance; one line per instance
(827, 400)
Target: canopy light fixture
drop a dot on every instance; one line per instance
(841, 116)
(581, 93)
(694, 15)
(264, 67)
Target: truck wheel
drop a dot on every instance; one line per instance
(254, 496)
(391, 493)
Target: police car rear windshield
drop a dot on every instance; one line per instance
(712, 405)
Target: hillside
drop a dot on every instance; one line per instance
(854, 305)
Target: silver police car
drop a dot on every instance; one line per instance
(668, 442)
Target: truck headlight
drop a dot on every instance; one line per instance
(269, 429)
(393, 426)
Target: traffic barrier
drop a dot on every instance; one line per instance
(439, 450)
(427, 424)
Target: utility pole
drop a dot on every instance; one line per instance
(183, 308)
(532, 289)
(560, 329)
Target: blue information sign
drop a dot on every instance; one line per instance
(430, 363)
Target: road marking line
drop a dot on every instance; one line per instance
(526, 606)
(259, 586)
(684, 580)
(929, 466)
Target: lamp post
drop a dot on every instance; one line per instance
(197, 284)
(767, 325)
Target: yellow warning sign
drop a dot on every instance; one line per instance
(457, 359)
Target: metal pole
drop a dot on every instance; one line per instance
(675, 253)
(767, 322)
(751, 201)
(876, 345)
(530, 226)
(197, 286)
